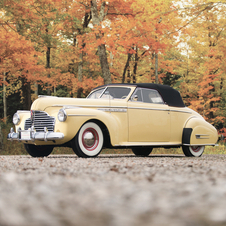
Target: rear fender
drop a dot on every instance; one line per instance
(197, 131)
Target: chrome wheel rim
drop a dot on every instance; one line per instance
(196, 148)
(90, 139)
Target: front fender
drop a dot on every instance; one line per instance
(197, 131)
(116, 124)
(23, 116)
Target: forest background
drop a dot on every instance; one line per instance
(68, 47)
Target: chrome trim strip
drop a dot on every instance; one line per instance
(119, 107)
(112, 109)
(202, 136)
(81, 115)
(199, 144)
(89, 106)
(148, 144)
(65, 106)
(140, 108)
(181, 111)
(69, 107)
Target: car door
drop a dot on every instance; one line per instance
(148, 117)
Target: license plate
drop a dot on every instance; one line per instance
(24, 135)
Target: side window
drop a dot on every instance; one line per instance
(137, 96)
(147, 96)
(151, 96)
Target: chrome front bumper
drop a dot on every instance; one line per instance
(32, 135)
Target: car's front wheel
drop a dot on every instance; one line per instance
(193, 151)
(89, 140)
(38, 150)
(142, 151)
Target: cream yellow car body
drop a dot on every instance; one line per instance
(128, 123)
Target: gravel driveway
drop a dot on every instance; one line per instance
(114, 190)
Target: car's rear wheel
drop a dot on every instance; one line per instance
(89, 140)
(193, 151)
(38, 150)
(142, 151)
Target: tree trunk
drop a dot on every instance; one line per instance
(1, 138)
(48, 65)
(80, 70)
(36, 89)
(4, 98)
(26, 93)
(156, 69)
(126, 66)
(135, 66)
(97, 19)
(128, 75)
(80, 64)
(104, 64)
(48, 57)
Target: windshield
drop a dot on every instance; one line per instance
(110, 93)
(96, 94)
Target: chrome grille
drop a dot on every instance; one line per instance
(28, 124)
(40, 120)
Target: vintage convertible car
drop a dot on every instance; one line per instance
(137, 116)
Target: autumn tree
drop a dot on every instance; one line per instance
(77, 45)
(203, 36)
(18, 60)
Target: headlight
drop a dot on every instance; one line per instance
(62, 115)
(16, 119)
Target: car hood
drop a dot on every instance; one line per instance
(42, 103)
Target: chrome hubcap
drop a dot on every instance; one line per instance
(196, 148)
(88, 139)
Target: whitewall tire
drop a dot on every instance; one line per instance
(193, 151)
(89, 140)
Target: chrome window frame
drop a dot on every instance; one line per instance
(116, 87)
(88, 97)
(134, 93)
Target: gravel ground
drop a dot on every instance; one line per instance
(114, 190)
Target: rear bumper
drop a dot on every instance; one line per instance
(32, 135)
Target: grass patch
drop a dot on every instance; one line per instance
(17, 148)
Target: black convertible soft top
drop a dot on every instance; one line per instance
(170, 96)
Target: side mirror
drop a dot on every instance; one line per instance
(135, 98)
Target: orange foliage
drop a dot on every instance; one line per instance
(133, 32)
(18, 56)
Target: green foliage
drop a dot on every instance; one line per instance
(61, 92)
(170, 79)
(13, 104)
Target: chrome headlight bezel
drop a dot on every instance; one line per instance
(62, 115)
(16, 119)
